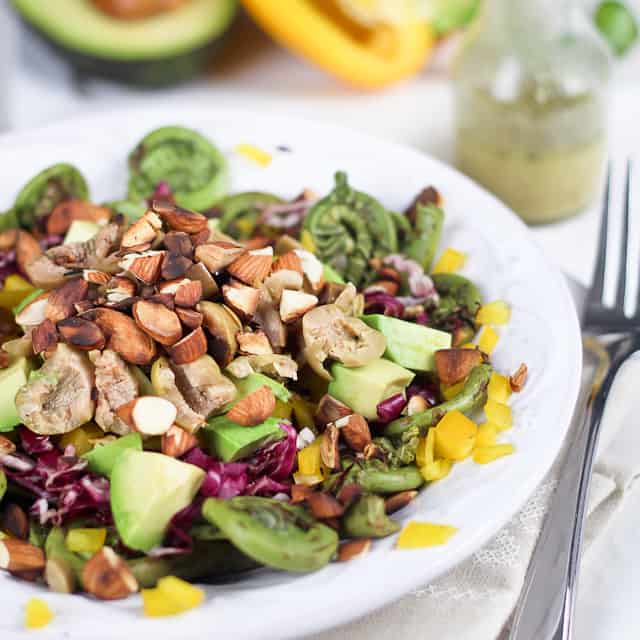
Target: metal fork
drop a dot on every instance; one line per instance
(546, 607)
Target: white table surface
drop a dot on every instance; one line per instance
(416, 113)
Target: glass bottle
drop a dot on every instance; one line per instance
(531, 94)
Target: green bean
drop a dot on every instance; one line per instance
(366, 518)
(208, 560)
(55, 548)
(472, 397)
(376, 477)
(272, 532)
(3, 484)
(427, 231)
(457, 295)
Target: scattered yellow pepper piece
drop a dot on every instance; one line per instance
(307, 242)
(14, 282)
(451, 391)
(488, 340)
(487, 434)
(436, 470)
(309, 461)
(425, 450)
(497, 312)
(485, 455)
(302, 412)
(283, 410)
(86, 540)
(499, 388)
(499, 414)
(455, 436)
(253, 153)
(11, 298)
(417, 535)
(37, 614)
(171, 597)
(320, 32)
(450, 261)
(310, 481)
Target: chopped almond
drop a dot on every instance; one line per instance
(218, 255)
(454, 365)
(256, 343)
(81, 334)
(254, 408)
(289, 261)
(162, 324)
(176, 442)
(241, 298)
(180, 219)
(252, 267)
(190, 348)
(61, 302)
(67, 211)
(144, 266)
(44, 336)
(149, 415)
(188, 294)
(294, 304)
(190, 318)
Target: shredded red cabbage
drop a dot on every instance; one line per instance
(162, 192)
(380, 302)
(8, 265)
(58, 479)
(391, 408)
(51, 240)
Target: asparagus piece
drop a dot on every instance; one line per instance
(472, 397)
(64, 568)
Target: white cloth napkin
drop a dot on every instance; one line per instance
(475, 601)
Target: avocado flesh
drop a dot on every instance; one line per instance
(81, 231)
(363, 388)
(11, 380)
(147, 490)
(169, 47)
(230, 441)
(102, 457)
(408, 344)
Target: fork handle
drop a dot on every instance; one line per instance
(547, 603)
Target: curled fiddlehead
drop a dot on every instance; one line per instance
(44, 191)
(240, 213)
(349, 228)
(194, 169)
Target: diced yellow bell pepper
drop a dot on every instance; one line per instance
(487, 434)
(86, 540)
(451, 391)
(499, 414)
(307, 242)
(499, 388)
(469, 345)
(455, 436)
(37, 614)
(302, 412)
(255, 154)
(436, 470)
(485, 455)
(171, 597)
(417, 535)
(283, 410)
(309, 460)
(450, 261)
(426, 445)
(309, 481)
(9, 299)
(14, 282)
(488, 340)
(497, 312)
(81, 438)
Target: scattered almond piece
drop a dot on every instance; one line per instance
(353, 549)
(81, 333)
(176, 442)
(162, 324)
(190, 348)
(519, 378)
(241, 298)
(294, 304)
(180, 219)
(252, 267)
(254, 409)
(107, 576)
(149, 415)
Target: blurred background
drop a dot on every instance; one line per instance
(519, 94)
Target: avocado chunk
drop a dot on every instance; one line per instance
(161, 49)
(147, 490)
(253, 382)
(102, 457)
(363, 388)
(408, 344)
(331, 275)
(230, 441)
(81, 231)
(12, 380)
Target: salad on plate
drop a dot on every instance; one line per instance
(196, 384)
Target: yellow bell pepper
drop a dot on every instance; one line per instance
(497, 312)
(86, 540)
(488, 340)
(309, 481)
(499, 414)
(436, 470)
(366, 58)
(309, 460)
(417, 535)
(14, 282)
(302, 412)
(283, 410)
(170, 597)
(455, 436)
(499, 388)
(485, 455)
(487, 434)
(37, 614)
(450, 261)
(253, 153)
(425, 450)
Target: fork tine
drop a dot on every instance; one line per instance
(596, 292)
(621, 294)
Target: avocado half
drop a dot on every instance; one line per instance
(159, 50)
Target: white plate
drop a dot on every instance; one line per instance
(479, 500)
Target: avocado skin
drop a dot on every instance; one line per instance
(160, 72)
